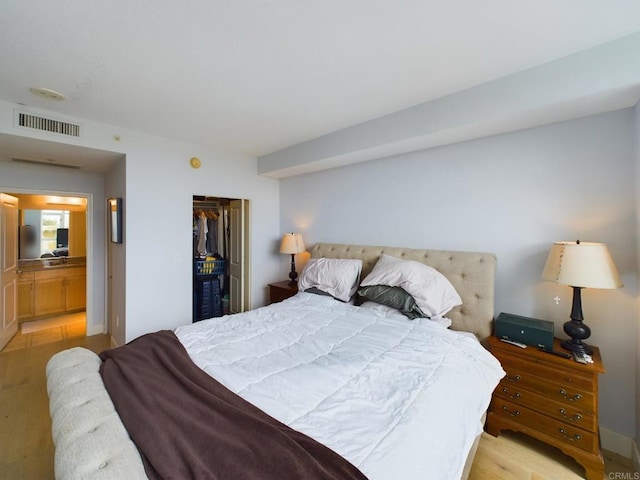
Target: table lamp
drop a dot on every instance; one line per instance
(580, 265)
(292, 243)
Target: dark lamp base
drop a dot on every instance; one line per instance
(576, 329)
(577, 347)
(293, 275)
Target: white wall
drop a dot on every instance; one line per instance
(160, 185)
(157, 188)
(33, 178)
(512, 194)
(115, 186)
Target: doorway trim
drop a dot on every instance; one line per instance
(91, 329)
(244, 248)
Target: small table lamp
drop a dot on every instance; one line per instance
(579, 265)
(292, 243)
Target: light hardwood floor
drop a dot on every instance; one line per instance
(519, 457)
(26, 448)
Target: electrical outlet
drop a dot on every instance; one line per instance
(117, 320)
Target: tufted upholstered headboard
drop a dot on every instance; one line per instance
(471, 273)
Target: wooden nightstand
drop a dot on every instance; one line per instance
(549, 398)
(278, 291)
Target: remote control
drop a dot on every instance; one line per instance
(513, 342)
(555, 352)
(582, 358)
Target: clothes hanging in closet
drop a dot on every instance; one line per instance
(205, 232)
(212, 237)
(202, 235)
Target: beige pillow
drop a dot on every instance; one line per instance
(335, 276)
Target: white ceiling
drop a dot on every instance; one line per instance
(256, 76)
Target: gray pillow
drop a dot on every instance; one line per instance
(317, 291)
(395, 297)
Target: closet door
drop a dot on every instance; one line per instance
(236, 256)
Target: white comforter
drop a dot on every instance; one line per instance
(400, 399)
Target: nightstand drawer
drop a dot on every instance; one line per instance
(571, 377)
(550, 398)
(566, 394)
(569, 434)
(568, 413)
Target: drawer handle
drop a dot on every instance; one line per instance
(577, 417)
(576, 397)
(574, 438)
(515, 395)
(515, 378)
(513, 414)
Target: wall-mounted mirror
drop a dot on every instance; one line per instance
(44, 232)
(51, 226)
(115, 219)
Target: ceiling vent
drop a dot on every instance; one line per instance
(35, 122)
(48, 163)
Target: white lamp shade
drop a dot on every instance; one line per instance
(292, 243)
(581, 264)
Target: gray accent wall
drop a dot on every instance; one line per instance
(512, 194)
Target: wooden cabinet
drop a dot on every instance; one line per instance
(551, 398)
(43, 293)
(49, 292)
(279, 291)
(76, 289)
(26, 302)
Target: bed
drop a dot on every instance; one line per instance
(420, 418)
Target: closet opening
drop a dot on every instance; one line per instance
(220, 256)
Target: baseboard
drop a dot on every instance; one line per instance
(618, 443)
(99, 330)
(95, 329)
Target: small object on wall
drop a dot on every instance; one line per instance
(115, 219)
(195, 162)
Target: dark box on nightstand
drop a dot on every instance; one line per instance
(530, 331)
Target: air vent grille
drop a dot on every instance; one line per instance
(48, 125)
(48, 163)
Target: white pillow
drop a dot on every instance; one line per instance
(336, 276)
(431, 290)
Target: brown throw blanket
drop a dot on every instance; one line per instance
(187, 425)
